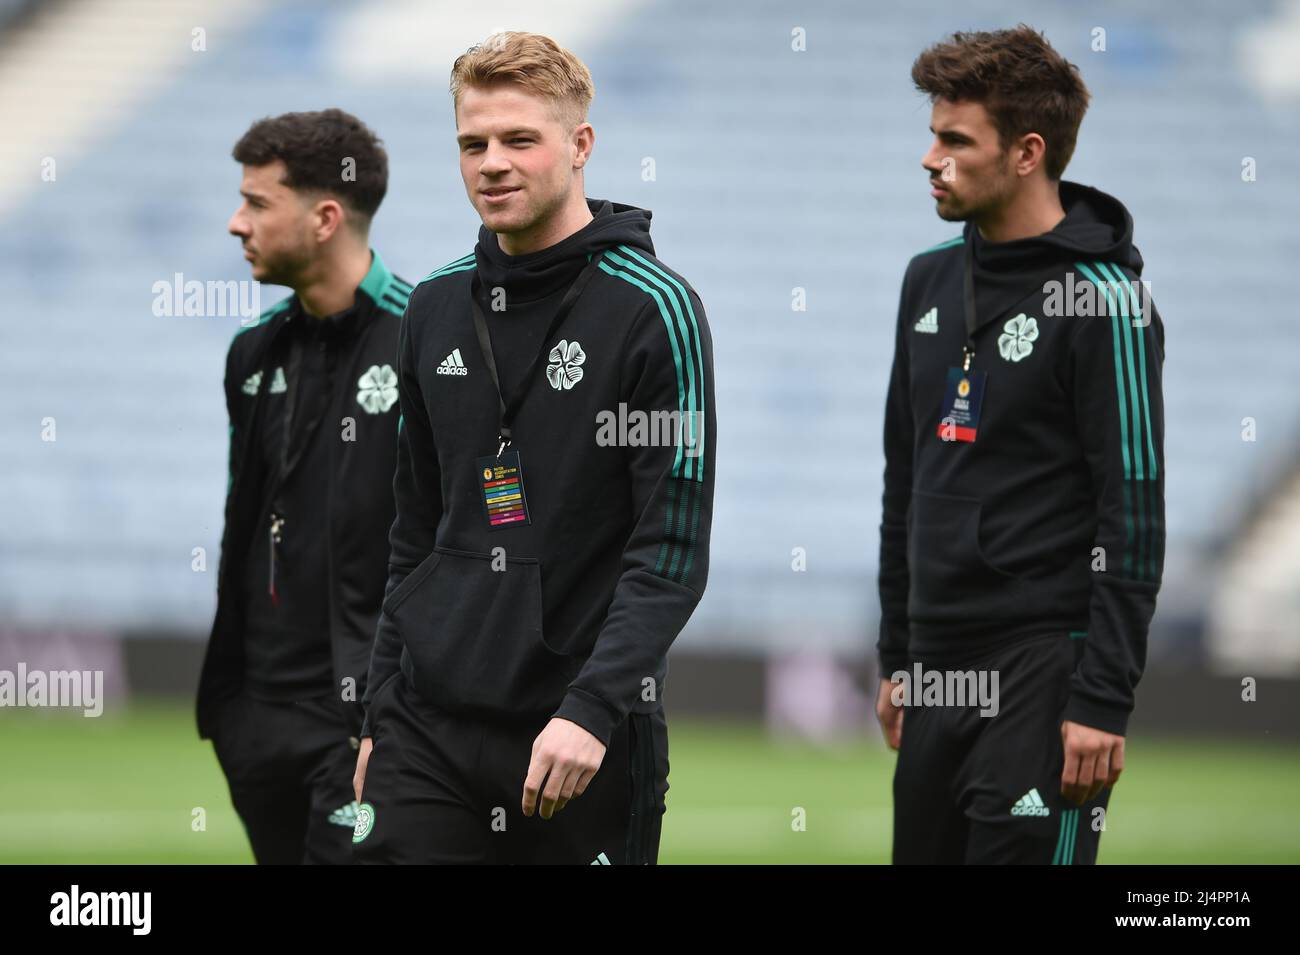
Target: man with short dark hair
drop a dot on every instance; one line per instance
(311, 394)
(1022, 539)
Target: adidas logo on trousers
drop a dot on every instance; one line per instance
(1030, 804)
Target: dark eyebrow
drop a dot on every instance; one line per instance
(463, 138)
(952, 135)
(252, 195)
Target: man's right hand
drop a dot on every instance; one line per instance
(363, 757)
(889, 714)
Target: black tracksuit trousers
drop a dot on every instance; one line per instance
(987, 790)
(445, 789)
(290, 768)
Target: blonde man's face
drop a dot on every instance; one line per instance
(519, 161)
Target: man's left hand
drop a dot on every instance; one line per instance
(1093, 760)
(565, 757)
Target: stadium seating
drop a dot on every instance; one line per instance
(773, 170)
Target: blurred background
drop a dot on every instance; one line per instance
(779, 146)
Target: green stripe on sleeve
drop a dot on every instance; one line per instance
(1117, 345)
(667, 551)
(1119, 370)
(695, 526)
(1139, 332)
(679, 534)
(1135, 410)
(1121, 291)
(664, 547)
(687, 508)
(700, 404)
(692, 394)
(672, 339)
(1142, 370)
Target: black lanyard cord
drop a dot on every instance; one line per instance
(968, 293)
(508, 409)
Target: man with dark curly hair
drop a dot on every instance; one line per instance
(312, 397)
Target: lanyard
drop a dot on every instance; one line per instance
(293, 380)
(968, 293)
(296, 368)
(508, 409)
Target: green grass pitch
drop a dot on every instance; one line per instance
(122, 789)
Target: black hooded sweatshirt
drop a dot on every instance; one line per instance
(1052, 519)
(572, 613)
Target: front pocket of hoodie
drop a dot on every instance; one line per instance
(950, 575)
(475, 636)
(410, 583)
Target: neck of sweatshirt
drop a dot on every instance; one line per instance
(541, 274)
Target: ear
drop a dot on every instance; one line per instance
(584, 141)
(329, 218)
(1028, 154)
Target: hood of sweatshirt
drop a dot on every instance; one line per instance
(537, 275)
(1096, 226)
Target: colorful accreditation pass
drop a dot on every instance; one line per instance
(502, 483)
(961, 405)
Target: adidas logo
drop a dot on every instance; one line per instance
(452, 365)
(254, 381)
(1030, 804)
(601, 859)
(929, 322)
(345, 816)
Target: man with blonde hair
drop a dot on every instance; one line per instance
(548, 545)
